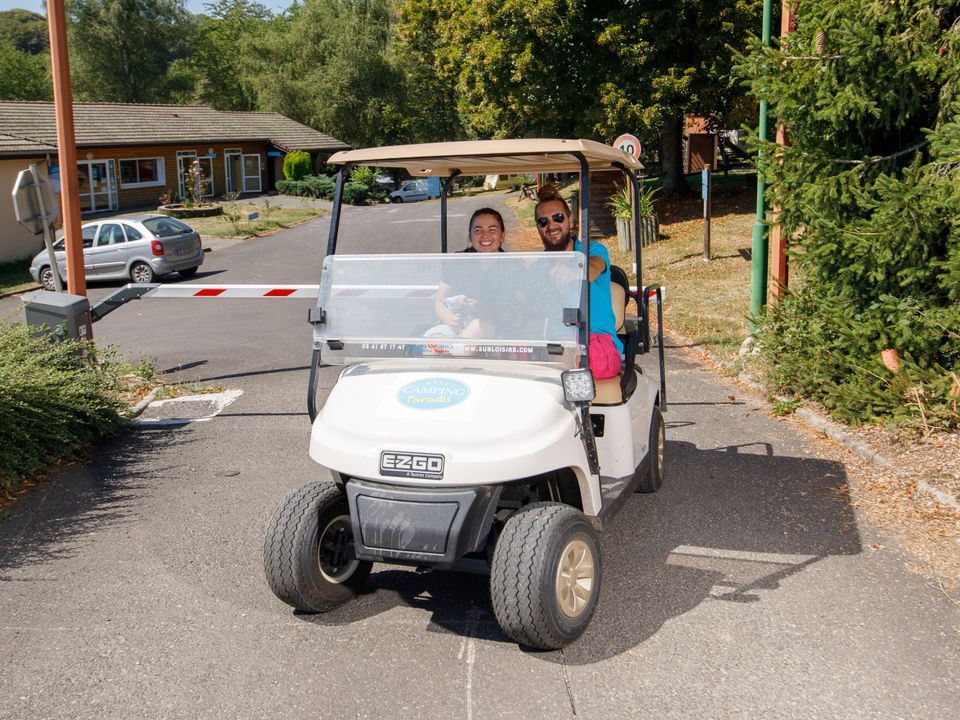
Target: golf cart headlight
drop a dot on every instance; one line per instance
(578, 386)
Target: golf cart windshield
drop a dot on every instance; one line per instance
(503, 306)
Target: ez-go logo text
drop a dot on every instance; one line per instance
(416, 465)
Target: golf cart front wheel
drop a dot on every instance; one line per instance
(305, 553)
(545, 578)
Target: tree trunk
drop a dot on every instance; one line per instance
(671, 157)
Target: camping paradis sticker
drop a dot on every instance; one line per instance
(433, 393)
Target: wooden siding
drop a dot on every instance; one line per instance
(149, 196)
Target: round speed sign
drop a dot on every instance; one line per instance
(629, 144)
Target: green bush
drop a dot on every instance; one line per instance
(53, 400)
(355, 193)
(297, 188)
(321, 186)
(366, 176)
(296, 165)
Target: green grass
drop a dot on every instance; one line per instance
(234, 223)
(15, 276)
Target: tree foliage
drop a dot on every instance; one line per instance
(577, 68)
(227, 32)
(870, 94)
(121, 50)
(23, 76)
(325, 64)
(26, 30)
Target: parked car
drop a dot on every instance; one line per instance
(139, 247)
(410, 191)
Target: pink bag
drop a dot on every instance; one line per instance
(604, 357)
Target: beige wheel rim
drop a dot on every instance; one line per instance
(575, 577)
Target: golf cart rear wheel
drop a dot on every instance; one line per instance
(305, 550)
(545, 578)
(653, 478)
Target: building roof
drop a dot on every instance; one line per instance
(126, 124)
(492, 157)
(12, 146)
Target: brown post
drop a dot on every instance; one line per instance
(66, 146)
(779, 265)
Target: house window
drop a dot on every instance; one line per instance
(141, 172)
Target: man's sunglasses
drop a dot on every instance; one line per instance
(557, 217)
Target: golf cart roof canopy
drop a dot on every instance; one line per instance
(491, 157)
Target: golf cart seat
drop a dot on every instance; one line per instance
(615, 390)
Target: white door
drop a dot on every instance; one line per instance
(251, 173)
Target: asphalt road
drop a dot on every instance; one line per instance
(131, 586)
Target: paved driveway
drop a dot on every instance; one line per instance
(131, 585)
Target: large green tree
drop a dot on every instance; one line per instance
(325, 63)
(224, 34)
(869, 189)
(672, 58)
(26, 30)
(121, 50)
(590, 69)
(23, 76)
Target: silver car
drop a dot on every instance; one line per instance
(138, 247)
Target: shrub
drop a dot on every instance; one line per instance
(53, 400)
(355, 193)
(297, 188)
(296, 165)
(366, 176)
(321, 186)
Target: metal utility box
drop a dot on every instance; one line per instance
(64, 315)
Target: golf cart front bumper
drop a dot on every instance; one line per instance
(419, 526)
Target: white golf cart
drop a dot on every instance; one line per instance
(497, 454)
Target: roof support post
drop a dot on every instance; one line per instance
(337, 203)
(444, 191)
(585, 248)
(66, 146)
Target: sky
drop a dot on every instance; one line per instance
(194, 6)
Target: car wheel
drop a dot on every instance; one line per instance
(189, 272)
(46, 279)
(545, 575)
(653, 478)
(396, 199)
(141, 273)
(305, 550)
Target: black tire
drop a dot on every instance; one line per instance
(396, 199)
(189, 272)
(653, 478)
(301, 546)
(545, 575)
(141, 273)
(46, 279)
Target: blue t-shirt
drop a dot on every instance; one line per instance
(602, 319)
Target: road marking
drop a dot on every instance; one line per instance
(183, 410)
(726, 554)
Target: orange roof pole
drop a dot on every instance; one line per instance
(66, 146)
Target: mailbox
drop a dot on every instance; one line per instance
(65, 315)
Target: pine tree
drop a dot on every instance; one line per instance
(869, 91)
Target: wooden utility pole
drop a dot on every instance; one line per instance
(66, 146)
(779, 266)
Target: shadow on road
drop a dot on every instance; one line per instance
(729, 525)
(47, 523)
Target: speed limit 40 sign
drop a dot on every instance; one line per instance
(629, 144)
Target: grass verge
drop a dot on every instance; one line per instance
(235, 221)
(15, 276)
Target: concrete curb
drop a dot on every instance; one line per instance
(137, 409)
(828, 427)
(20, 292)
